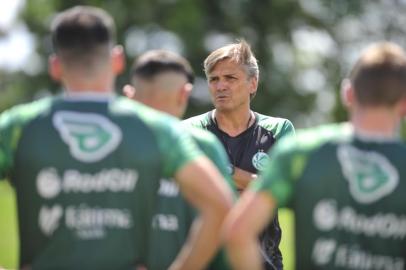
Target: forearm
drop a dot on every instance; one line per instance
(242, 178)
(201, 245)
(245, 255)
(242, 227)
(206, 190)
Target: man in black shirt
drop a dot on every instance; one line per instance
(232, 73)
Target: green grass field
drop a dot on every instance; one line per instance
(286, 219)
(8, 227)
(9, 240)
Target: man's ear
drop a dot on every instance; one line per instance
(185, 92)
(118, 59)
(55, 67)
(347, 93)
(253, 85)
(403, 107)
(129, 91)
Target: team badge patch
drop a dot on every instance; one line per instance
(90, 136)
(260, 160)
(370, 175)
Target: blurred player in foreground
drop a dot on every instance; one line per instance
(86, 165)
(345, 182)
(163, 80)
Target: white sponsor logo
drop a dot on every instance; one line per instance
(260, 160)
(329, 252)
(49, 218)
(50, 184)
(370, 175)
(323, 250)
(86, 222)
(90, 137)
(165, 222)
(90, 218)
(327, 217)
(353, 257)
(168, 188)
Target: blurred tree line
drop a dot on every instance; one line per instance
(304, 47)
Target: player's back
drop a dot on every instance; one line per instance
(349, 201)
(174, 215)
(86, 172)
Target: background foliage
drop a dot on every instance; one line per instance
(304, 47)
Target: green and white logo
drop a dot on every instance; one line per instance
(370, 174)
(91, 137)
(260, 160)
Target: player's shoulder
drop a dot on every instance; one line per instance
(23, 113)
(316, 137)
(137, 110)
(201, 135)
(200, 121)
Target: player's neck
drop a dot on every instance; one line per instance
(234, 122)
(101, 84)
(376, 122)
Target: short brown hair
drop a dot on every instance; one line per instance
(239, 52)
(155, 62)
(379, 76)
(83, 34)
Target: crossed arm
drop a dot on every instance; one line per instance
(242, 227)
(206, 190)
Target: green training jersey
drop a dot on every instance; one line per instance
(174, 216)
(348, 195)
(86, 172)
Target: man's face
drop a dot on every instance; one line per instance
(229, 85)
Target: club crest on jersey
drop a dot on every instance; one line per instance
(370, 175)
(260, 160)
(90, 136)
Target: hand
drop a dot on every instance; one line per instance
(242, 178)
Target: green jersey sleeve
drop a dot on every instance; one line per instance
(285, 129)
(282, 171)
(8, 140)
(177, 146)
(12, 123)
(214, 150)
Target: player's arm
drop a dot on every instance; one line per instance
(243, 225)
(257, 206)
(203, 186)
(242, 178)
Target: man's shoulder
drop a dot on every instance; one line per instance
(277, 125)
(200, 121)
(271, 121)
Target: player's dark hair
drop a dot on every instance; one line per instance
(82, 33)
(379, 76)
(156, 62)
